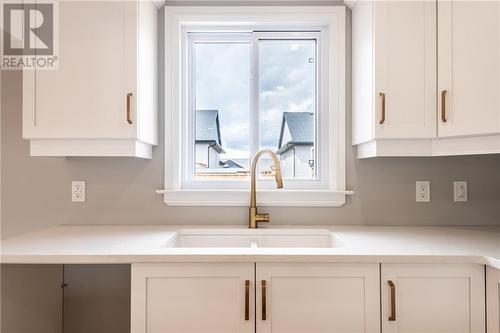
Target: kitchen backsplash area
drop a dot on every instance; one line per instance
(122, 190)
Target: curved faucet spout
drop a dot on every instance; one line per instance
(254, 217)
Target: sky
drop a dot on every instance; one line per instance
(223, 82)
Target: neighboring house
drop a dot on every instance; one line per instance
(244, 162)
(231, 164)
(296, 145)
(208, 143)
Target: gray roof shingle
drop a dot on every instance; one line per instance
(231, 164)
(208, 128)
(301, 127)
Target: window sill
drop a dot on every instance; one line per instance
(276, 198)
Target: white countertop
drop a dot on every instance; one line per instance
(133, 244)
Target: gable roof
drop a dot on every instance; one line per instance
(231, 164)
(301, 128)
(208, 128)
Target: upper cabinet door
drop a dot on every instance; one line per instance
(317, 298)
(405, 69)
(469, 68)
(86, 97)
(432, 298)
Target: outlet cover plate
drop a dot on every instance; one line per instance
(460, 191)
(422, 191)
(78, 191)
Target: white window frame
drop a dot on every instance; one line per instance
(326, 191)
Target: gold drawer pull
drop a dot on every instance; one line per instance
(264, 305)
(392, 317)
(382, 99)
(443, 106)
(247, 299)
(129, 108)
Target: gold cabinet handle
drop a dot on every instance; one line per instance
(264, 302)
(382, 101)
(247, 299)
(443, 106)
(392, 317)
(129, 108)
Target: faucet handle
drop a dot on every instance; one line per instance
(263, 217)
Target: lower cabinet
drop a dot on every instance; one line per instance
(220, 298)
(57, 298)
(440, 298)
(312, 298)
(250, 297)
(31, 298)
(96, 299)
(493, 299)
(193, 298)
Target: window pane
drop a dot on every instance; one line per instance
(287, 105)
(222, 85)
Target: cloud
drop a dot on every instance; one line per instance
(223, 83)
(286, 84)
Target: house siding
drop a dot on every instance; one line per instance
(207, 155)
(295, 162)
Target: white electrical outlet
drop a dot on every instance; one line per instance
(460, 191)
(78, 191)
(423, 191)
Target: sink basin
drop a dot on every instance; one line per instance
(261, 238)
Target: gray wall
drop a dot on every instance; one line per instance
(36, 190)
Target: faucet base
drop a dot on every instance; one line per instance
(254, 218)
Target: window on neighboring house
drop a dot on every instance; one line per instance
(239, 79)
(250, 91)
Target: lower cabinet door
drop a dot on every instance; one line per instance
(433, 298)
(493, 299)
(193, 298)
(317, 298)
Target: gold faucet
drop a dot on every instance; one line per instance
(254, 217)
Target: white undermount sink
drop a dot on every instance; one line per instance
(260, 238)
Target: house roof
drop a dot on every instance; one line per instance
(301, 128)
(231, 164)
(208, 128)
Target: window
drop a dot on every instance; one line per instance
(287, 103)
(233, 87)
(252, 91)
(220, 81)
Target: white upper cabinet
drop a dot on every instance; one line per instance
(102, 99)
(394, 65)
(469, 67)
(404, 69)
(433, 298)
(421, 88)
